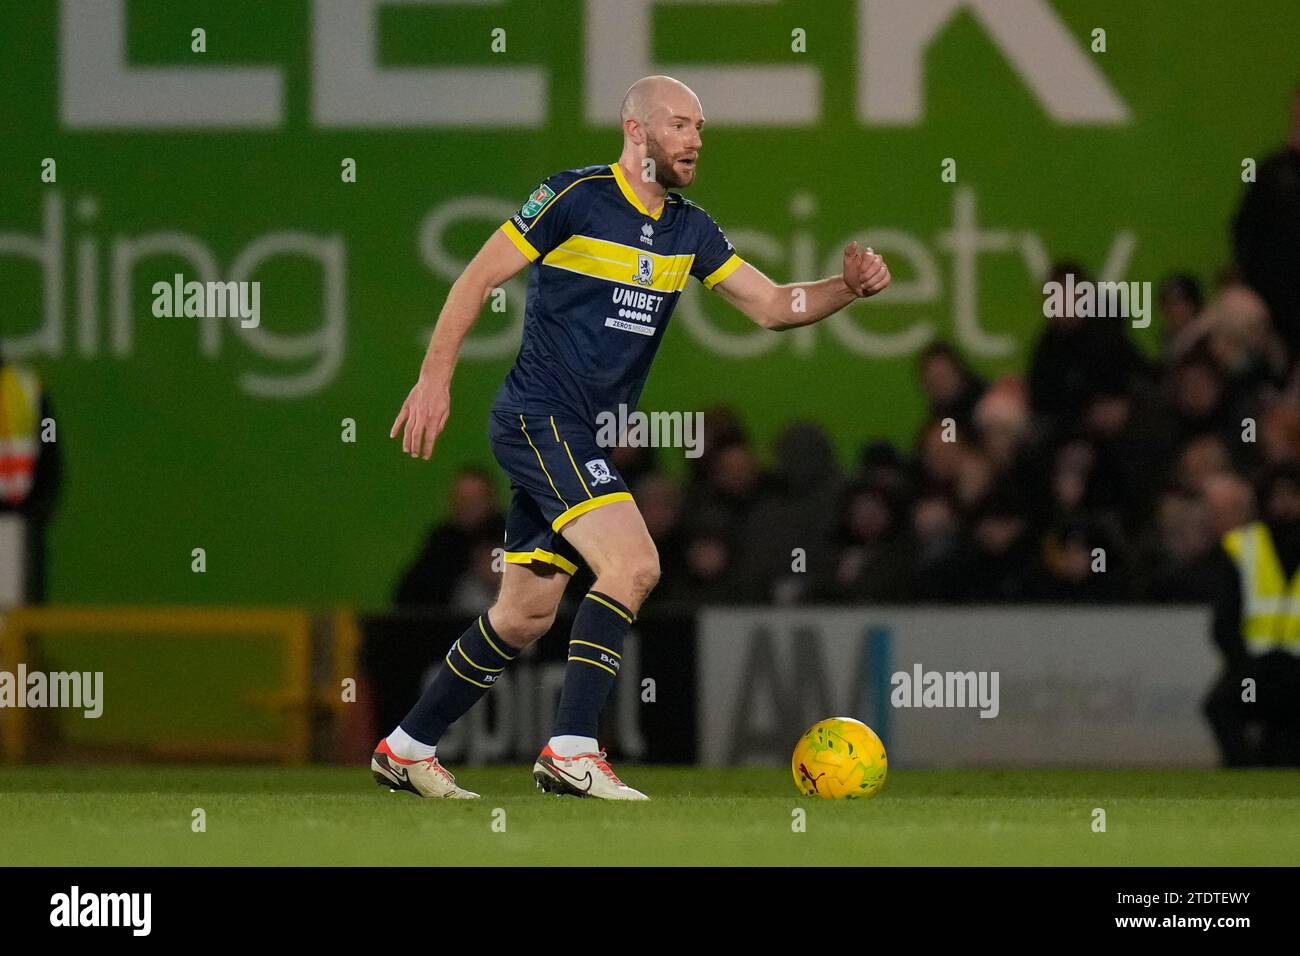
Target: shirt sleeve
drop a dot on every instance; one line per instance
(545, 220)
(715, 259)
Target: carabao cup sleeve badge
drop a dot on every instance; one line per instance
(536, 201)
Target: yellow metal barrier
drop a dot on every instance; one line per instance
(346, 643)
(291, 625)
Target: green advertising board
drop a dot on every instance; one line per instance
(827, 121)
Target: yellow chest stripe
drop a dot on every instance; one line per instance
(615, 262)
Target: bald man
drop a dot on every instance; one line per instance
(609, 249)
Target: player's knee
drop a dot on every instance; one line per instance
(643, 573)
(630, 575)
(520, 627)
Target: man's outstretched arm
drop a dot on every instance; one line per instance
(425, 411)
(792, 304)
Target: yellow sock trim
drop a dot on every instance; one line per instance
(462, 676)
(616, 610)
(594, 664)
(597, 647)
(491, 643)
(490, 670)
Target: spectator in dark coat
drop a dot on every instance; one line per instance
(1076, 358)
(998, 553)
(871, 555)
(797, 514)
(1266, 233)
(950, 387)
(452, 552)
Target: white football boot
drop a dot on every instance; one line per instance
(586, 775)
(424, 778)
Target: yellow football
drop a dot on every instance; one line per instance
(839, 758)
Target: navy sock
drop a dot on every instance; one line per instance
(595, 651)
(470, 669)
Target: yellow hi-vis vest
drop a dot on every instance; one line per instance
(1270, 604)
(20, 405)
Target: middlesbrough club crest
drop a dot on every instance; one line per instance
(645, 269)
(600, 473)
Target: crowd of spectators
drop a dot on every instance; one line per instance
(1097, 476)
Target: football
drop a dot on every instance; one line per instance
(839, 758)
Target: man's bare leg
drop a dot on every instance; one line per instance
(614, 542)
(525, 609)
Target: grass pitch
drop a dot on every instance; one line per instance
(101, 816)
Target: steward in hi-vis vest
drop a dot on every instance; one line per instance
(29, 479)
(20, 419)
(1255, 707)
(1270, 595)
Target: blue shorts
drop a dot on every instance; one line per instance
(557, 472)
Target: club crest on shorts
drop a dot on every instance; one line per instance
(600, 473)
(645, 268)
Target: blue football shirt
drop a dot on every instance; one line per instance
(606, 274)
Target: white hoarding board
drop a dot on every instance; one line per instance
(1058, 686)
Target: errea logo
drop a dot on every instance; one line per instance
(647, 234)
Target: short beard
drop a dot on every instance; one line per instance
(665, 173)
